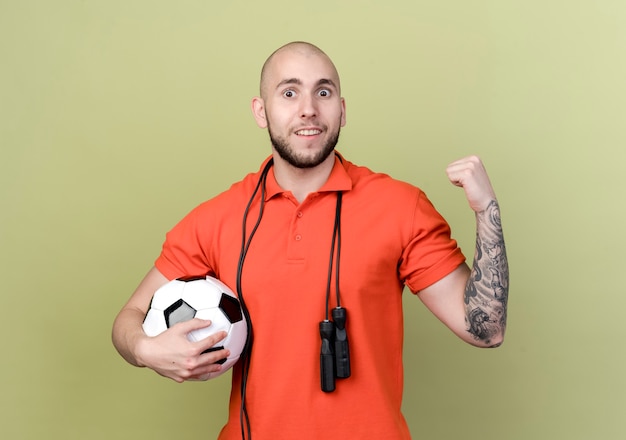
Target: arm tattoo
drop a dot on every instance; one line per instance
(487, 289)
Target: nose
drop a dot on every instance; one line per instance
(308, 108)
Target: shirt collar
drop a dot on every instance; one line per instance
(339, 179)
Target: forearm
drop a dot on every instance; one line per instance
(128, 336)
(127, 333)
(487, 290)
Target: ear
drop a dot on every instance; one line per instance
(258, 110)
(343, 112)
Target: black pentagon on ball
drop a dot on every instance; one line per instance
(230, 307)
(191, 278)
(178, 312)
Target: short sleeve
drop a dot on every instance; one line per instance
(432, 253)
(182, 253)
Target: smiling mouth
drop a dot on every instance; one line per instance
(308, 132)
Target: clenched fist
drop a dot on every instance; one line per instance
(469, 173)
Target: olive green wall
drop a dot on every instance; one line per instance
(117, 117)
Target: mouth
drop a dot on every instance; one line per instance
(308, 132)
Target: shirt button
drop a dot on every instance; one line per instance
(298, 237)
(300, 214)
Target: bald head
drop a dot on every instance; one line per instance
(293, 49)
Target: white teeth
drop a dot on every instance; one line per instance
(307, 132)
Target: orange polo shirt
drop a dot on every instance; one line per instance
(391, 236)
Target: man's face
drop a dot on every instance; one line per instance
(301, 107)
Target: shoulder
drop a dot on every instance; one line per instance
(406, 203)
(234, 198)
(381, 186)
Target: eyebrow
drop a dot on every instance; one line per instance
(297, 81)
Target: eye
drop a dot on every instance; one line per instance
(324, 93)
(289, 93)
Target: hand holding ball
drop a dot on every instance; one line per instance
(204, 298)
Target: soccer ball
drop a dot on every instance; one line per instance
(205, 298)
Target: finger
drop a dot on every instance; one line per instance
(205, 372)
(174, 377)
(466, 160)
(212, 340)
(192, 324)
(458, 174)
(462, 170)
(210, 361)
(213, 355)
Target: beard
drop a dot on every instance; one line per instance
(287, 153)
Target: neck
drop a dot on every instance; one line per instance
(302, 181)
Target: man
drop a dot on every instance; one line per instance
(311, 204)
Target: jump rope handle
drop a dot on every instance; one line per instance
(327, 361)
(342, 350)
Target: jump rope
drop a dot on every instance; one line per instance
(334, 350)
